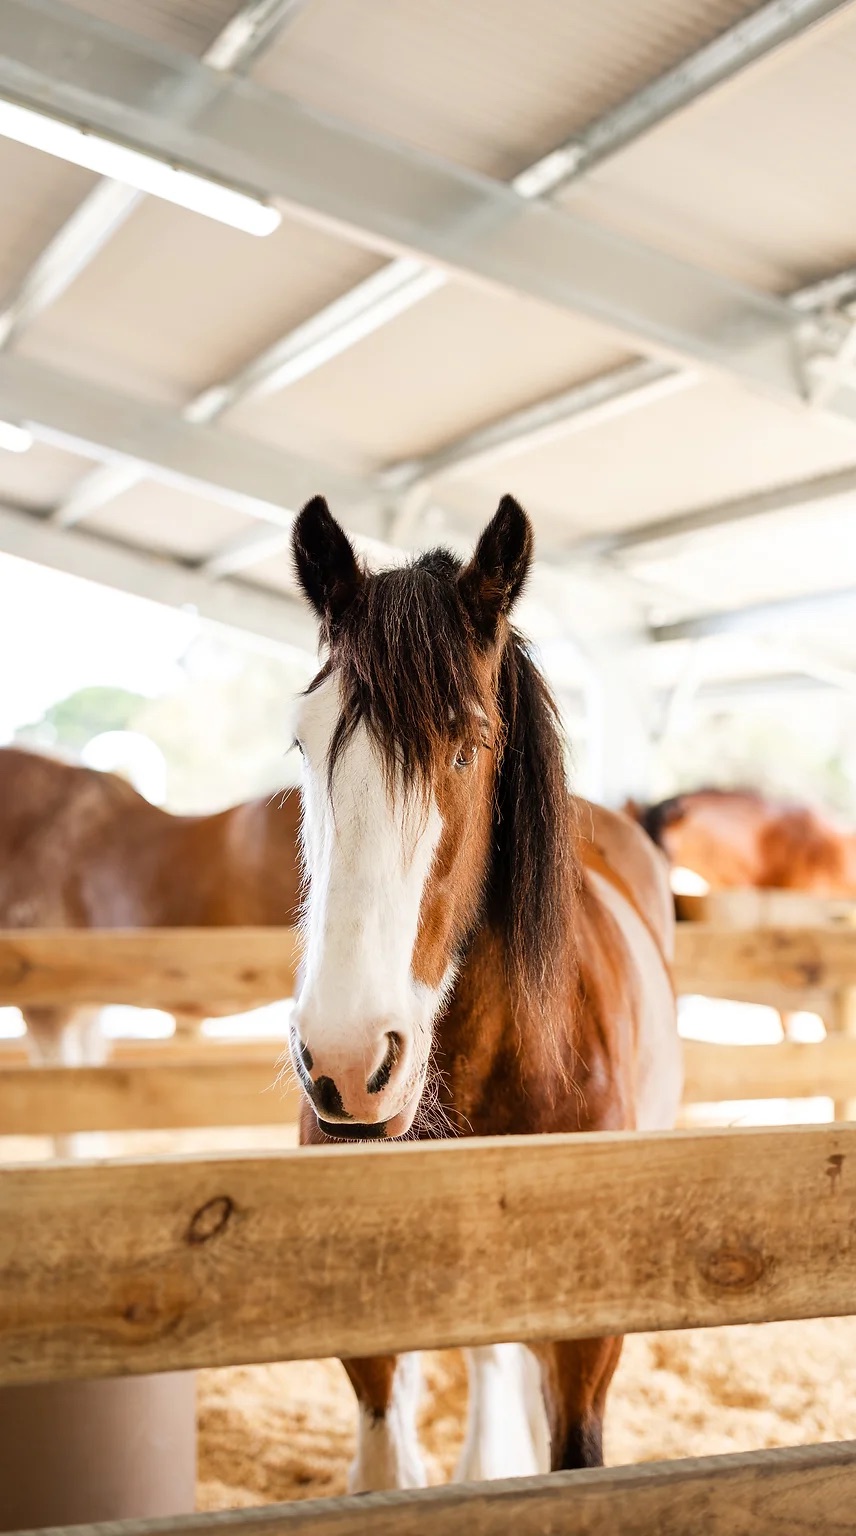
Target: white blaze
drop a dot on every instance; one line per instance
(368, 854)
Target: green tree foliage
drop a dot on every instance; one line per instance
(73, 721)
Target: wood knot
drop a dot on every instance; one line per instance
(210, 1219)
(734, 1267)
(139, 1313)
(834, 1165)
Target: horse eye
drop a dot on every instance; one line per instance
(299, 746)
(466, 755)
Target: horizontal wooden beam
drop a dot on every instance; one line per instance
(191, 967)
(207, 968)
(716, 960)
(234, 1090)
(797, 1491)
(164, 1050)
(785, 1071)
(167, 1264)
(169, 1085)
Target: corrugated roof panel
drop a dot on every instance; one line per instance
(40, 478)
(175, 302)
(169, 521)
(460, 358)
(812, 549)
(39, 193)
(190, 24)
(492, 84)
(709, 443)
(755, 180)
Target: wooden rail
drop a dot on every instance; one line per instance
(714, 961)
(796, 1491)
(218, 1085)
(239, 967)
(153, 966)
(225, 969)
(784, 1071)
(236, 1090)
(167, 1264)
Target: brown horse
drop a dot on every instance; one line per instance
(482, 954)
(81, 849)
(740, 838)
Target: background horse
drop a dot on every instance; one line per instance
(81, 849)
(482, 955)
(740, 838)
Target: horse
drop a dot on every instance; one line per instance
(483, 954)
(82, 849)
(741, 838)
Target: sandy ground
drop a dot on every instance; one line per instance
(277, 1432)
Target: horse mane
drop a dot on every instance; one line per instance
(535, 871)
(409, 665)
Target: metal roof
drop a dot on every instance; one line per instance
(579, 252)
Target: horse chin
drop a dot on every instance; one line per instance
(384, 1130)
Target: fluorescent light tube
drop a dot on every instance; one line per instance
(146, 172)
(15, 439)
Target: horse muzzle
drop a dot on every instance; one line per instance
(372, 1094)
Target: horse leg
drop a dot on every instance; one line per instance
(575, 1378)
(68, 1037)
(507, 1431)
(388, 1456)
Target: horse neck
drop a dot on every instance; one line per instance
(240, 866)
(496, 1074)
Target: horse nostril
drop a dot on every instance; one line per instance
(328, 1100)
(304, 1054)
(379, 1079)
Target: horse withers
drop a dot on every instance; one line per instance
(483, 954)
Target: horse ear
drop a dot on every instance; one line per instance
(324, 561)
(494, 578)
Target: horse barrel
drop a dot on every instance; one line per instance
(77, 1452)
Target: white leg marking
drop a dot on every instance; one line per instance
(507, 1434)
(388, 1453)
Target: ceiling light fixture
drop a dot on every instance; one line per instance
(146, 172)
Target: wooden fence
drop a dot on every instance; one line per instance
(794, 1492)
(162, 1085)
(173, 1263)
(170, 1263)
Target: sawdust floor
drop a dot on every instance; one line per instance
(275, 1432)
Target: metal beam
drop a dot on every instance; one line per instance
(263, 482)
(235, 605)
(394, 197)
(756, 37)
(397, 287)
(599, 399)
(629, 387)
(758, 618)
(780, 498)
(110, 203)
(367, 307)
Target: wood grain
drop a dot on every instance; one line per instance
(794, 1492)
(757, 963)
(174, 1263)
(235, 1090)
(230, 968)
(784, 1071)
